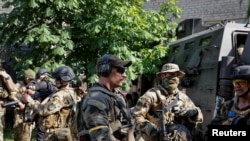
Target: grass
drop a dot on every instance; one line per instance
(8, 130)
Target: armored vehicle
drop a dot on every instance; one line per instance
(207, 54)
(208, 57)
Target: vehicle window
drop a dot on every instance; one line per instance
(189, 45)
(175, 49)
(205, 41)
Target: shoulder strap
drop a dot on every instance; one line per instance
(125, 111)
(162, 99)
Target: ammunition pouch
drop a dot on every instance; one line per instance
(63, 133)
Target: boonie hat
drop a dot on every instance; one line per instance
(113, 60)
(170, 67)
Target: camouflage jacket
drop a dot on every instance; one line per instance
(57, 110)
(101, 113)
(145, 111)
(229, 114)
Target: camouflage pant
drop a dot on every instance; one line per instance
(175, 132)
(58, 134)
(2, 125)
(2, 120)
(22, 130)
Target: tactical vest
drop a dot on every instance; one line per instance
(163, 101)
(236, 116)
(117, 112)
(64, 117)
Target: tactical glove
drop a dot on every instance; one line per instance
(183, 111)
(178, 109)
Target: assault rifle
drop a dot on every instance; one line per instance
(163, 131)
(129, 126)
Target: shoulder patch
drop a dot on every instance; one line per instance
(54, 104)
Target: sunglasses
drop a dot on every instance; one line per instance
(240, 82)
(120, 70)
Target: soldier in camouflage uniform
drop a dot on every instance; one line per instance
(180, 114)
(56, 112)
(237, 110)
(39, 89)
(7, 91)
(102, 105)
(22, 130)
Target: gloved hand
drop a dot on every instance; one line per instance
(180, 110)
(184, 112)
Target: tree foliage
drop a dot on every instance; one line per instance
(49, 33)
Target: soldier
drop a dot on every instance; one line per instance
(22, 130)
(56, 112)
(103, 105)
(237, 110)
(39, 89)
(11, 91)
(43, 87)
(178, 114)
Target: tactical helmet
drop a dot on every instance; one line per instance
(64, 73)
(40, 72)
(30, 74)
(241, 72)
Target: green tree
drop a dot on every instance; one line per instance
(50, 33)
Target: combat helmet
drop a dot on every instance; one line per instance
(64, 73)
(241, 72)
(40, 72)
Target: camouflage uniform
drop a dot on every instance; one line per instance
(105, 123)
(56, 112)
(229, 114)
(7, 91)
(3, 95)
(182, 112)
(41, 88)
(22, 129)
(103, 107)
